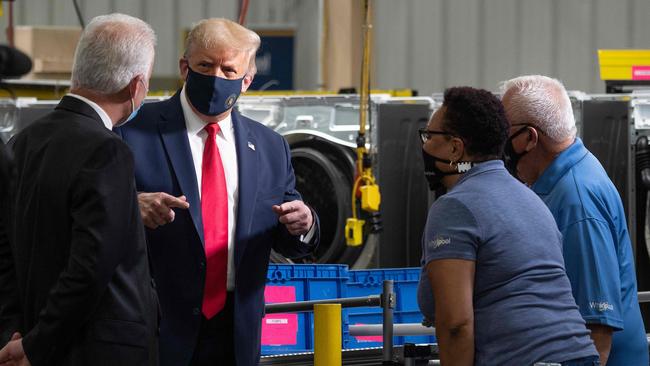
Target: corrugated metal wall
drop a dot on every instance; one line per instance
(422, 44)
(432, 44)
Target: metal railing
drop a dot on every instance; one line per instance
(386, 300)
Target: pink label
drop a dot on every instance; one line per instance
(280, 329)
(640, 72)
(362, 339)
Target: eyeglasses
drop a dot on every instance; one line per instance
(425, 134)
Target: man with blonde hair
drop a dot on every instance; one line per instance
(77, 285)
(217, 192)
(544, 152)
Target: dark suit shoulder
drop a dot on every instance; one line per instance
(68, 137)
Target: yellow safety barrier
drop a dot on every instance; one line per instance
(327, 335)
(624, 64)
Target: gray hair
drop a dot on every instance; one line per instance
(112, 50)
(543, 102)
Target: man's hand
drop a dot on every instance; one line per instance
(156, 208)
(13, 354)
(295, 215)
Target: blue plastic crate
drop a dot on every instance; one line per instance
(373, 317)
(289, 333)
(370, 282)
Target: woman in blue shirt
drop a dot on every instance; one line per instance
(493, 279)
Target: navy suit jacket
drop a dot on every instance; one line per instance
(163, 163)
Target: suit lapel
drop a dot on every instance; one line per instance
(173, 132)
(247, 164)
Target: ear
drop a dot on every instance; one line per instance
(457, 149)
(533, 138)
(248, 80)
(183, 66)
(134, 85)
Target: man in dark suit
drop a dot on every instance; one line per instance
(83, 292)
(7, 278)
(217, 193)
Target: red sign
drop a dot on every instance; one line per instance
(280, 329)
(640, 72)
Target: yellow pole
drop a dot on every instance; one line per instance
(327, 335)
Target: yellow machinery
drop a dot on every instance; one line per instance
(365, 180)
(622, 69)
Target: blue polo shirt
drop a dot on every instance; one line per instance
(523, 308)
(597, 249)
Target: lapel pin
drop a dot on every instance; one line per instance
(251, 146)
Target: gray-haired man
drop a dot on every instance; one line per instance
(544, 152)
(77, 284)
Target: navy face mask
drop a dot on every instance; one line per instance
(211, 95)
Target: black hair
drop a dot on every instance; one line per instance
(478, 118)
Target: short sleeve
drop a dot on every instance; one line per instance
(592, 267)
(451, 232)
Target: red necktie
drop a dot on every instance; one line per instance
(214, 210)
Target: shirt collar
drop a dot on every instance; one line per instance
(195, 124)
(559, 167)
(106, 120)
(481, 167)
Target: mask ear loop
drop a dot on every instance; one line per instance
(463, 166)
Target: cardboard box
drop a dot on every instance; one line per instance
(51, 49)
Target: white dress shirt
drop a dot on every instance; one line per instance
(196, 135)
(102, 114)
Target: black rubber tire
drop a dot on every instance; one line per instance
(326, 188)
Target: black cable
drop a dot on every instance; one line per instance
(79, 16)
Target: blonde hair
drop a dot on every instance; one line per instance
(223, 33)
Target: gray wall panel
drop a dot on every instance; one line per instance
(63, 12)
(224, 9)
(535, 39)
(424, 44)
(462, 43)
(94, 8)
(131, 7)
(640, 11)
(499, 48)
(575, 50)
(393, 44)
(36, 12)
(429, 60)
(306, 73)
(162, 15)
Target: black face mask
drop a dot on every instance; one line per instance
(510, 156)
(434, 175)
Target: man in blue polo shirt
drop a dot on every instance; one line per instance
(544, 153)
